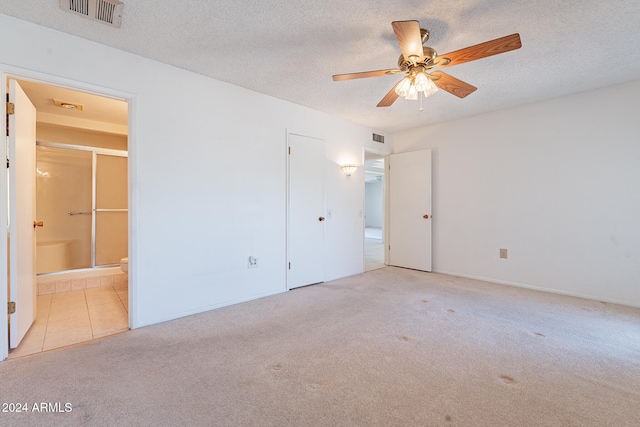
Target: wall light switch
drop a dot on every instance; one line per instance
(503, 253)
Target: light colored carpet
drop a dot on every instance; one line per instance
(390, 347)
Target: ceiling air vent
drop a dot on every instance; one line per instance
(378, 138)
(107, 11)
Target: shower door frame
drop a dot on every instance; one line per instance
(95, 151)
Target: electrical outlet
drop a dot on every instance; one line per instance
(503, 253)
(253, 262)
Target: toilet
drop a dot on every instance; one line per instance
(124, 265)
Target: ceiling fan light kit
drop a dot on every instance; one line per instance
(414, 84)
(416, 60)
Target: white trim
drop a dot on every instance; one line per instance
(132, 149)
(535, 288)
(387, 176)
(376, 152)
(385, 193)
(4, 221)
(287, 207)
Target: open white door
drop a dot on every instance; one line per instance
(410, 210)
(22, 212)
(305, 250)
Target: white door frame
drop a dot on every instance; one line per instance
(413, 217)
(10, 72)
(385, 190)
(288, 198)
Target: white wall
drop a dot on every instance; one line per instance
(374, 204)
(557, 183)
(208, 174)
(77, 136)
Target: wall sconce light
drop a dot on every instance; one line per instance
(348, 169)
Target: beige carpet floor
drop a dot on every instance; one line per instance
(391, 347)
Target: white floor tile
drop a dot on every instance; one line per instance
(75, 316)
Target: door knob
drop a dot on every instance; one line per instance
(321, 218)
(425, 216)
(38, 224)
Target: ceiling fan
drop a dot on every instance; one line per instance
(416, 60)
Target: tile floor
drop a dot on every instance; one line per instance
(72, 317)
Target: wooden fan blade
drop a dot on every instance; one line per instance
(452, 85)
(409, 39)
(483, 50)
(364, 74)
(389, 98)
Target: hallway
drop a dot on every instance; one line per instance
(373, 249)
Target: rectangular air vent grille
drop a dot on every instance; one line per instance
(79, 6)
(378, 138)
(107, 11)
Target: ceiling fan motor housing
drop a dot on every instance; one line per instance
(428, 54)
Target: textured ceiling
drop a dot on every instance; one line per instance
(290, 49)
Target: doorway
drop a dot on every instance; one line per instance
(79, 295)
(374, 230)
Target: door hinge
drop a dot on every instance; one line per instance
(11, 307)
(289, 266)
(11, 108)
(289, 150)
(7, 163)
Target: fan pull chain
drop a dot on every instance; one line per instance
(423, 95)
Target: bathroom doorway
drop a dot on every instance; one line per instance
(374, 235)
(81, 195)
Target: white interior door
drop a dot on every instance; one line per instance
(305, 250)
(410, 210)
(22, 212)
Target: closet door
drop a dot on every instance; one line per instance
(410, 210)
(305, 249)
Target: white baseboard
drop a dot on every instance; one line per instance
(538, 288)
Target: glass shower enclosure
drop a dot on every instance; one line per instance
(81, 196)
